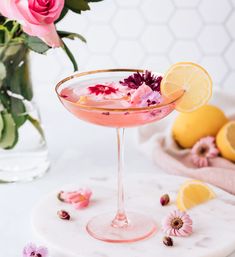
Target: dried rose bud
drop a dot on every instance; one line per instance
(64, 215)
(165, 199)
(59, 197)
(167, 241)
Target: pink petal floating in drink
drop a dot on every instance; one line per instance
(69, 94)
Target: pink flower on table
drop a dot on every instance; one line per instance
(37, 17)
(177, 223)
(79, 199)
(31, 250)
(203, 150)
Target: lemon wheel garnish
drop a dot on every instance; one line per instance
(191, 78)
(192, 193)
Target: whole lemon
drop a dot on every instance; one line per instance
(225, 141)
(188, 128)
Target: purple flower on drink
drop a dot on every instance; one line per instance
(31, 250)
(133, 81)
(152, 81)
(137, 79)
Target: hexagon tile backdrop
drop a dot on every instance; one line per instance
(153, 34)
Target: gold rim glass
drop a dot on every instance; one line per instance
(123, 70)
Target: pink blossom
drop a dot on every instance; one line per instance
(31, 250)
(152, 98)
(144, 96)
(203, 150)
(105, 91)
(36, 16)
(79, 199)
(177, 223)
(142, 90)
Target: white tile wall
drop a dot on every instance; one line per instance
(150, 34)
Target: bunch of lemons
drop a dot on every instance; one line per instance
(208, 120)
(196, 120)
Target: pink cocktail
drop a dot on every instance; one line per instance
(118, 99)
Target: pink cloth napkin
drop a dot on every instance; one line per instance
(156, 141)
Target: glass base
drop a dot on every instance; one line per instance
(23, 167)
(139, 227)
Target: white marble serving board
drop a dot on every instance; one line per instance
(214, 222)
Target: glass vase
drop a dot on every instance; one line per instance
(23, 148)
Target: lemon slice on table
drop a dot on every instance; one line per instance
(225, 141)
(192, 193)
(191, 78)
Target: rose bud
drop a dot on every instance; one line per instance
(64, 215)
(165, 199)
(167, 241)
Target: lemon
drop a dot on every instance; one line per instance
(192, 193)
(190, 78)
(225, 141)
(188, 128)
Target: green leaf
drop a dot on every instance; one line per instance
(63, 14)
(5, 99)
(25, 81)
(10, 133)
(3, 71)
(4, 34)
(14, 104)
(9, 24)
(18, 79)
(37, 125)
(18, 111)
(2, 19)
(77, 5)
(1, 125)
(36, 44)
(71, 35)
(71, 57)
(13, 56)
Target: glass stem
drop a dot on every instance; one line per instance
(120, 219)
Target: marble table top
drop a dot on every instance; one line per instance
(214, 222)
(78, 150)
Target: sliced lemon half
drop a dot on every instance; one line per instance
(225, 141)
(192, 193)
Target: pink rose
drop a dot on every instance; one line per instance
(36, 16)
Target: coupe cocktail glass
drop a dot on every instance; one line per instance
(124, 226)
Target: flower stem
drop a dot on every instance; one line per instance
(7, 43)
(70, 55)
(37, 125)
